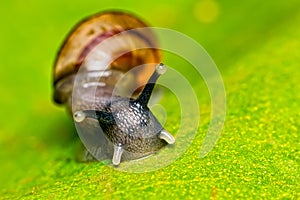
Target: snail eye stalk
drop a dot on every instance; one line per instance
(79, 116)
(101, 116)
(145, 95)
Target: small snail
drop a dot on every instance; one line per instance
(96, 62)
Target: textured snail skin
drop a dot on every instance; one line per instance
(127, 123)
(130, 125)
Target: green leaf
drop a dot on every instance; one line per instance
(257, 48)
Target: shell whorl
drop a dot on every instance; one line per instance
(83, 41)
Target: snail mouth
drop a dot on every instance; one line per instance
(146, 148)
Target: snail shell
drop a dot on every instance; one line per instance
(94, 30)
(85, 52)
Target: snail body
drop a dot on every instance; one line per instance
(127, 122)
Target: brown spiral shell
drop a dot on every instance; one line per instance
(91, 32)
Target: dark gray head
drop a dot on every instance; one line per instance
(129, 124)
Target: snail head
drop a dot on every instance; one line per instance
(129, 123)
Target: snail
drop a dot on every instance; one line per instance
(96, 56)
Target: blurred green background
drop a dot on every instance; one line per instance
(256, 46)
